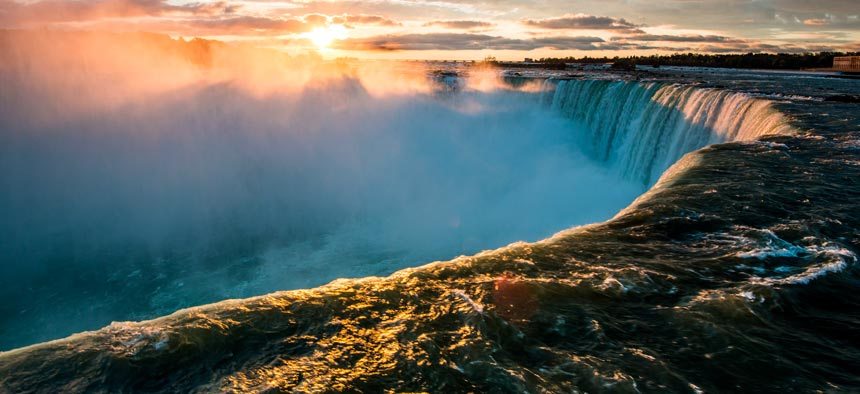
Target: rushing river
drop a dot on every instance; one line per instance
(734, 268)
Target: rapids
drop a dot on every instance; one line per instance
(146, 210)
(735, 270)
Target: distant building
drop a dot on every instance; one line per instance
(846, 63)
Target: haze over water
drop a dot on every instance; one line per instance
(203, 190)
(258, 213)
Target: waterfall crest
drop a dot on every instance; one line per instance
(642, 128)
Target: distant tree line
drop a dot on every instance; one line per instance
(776, 61)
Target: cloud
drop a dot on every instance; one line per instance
(315, 19)
(87, 10)
(455, 41)
(677, 38)
(364, 20)
(759, 47)
(816, 22)
(582, 22)
(716, 44)
(771, 21)
(460, 24)
(256, 25)
(251, 25)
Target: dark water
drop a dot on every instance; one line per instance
(736, 272)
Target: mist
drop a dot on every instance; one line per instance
(132, 192)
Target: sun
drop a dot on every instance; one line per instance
(322, 37)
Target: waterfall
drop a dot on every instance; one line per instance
(640, 129)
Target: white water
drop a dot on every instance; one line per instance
(640, 129)
(208, 192)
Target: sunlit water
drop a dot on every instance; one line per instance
(210, 194)
(737, 270)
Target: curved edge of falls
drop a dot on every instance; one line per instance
(641, 129)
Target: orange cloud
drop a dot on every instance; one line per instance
(815, 22)
(460, 24)
(79, 10)
(455, 41)
(251, 25)
(582, 22)
(379, 20)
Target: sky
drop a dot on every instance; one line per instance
(468, 29)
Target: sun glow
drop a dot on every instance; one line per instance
(323, 37)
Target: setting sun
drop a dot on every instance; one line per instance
(323, 37)
(452, 196)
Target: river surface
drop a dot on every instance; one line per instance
(708, 220)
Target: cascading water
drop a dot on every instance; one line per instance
(192, 180)
(640, 129)
(266, 197)
(235, 196)
(715, 281)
